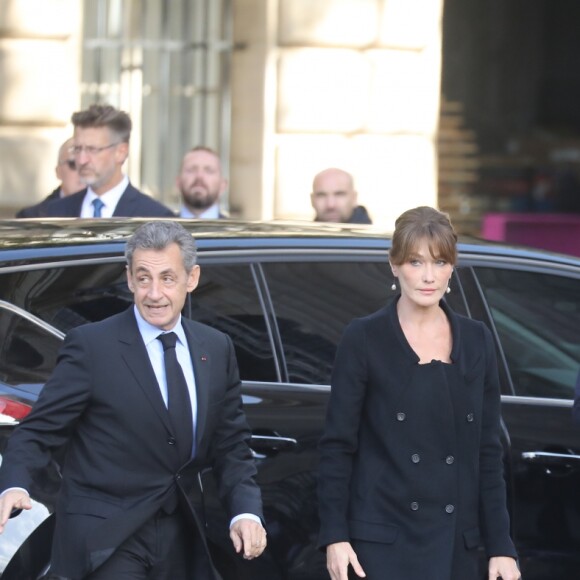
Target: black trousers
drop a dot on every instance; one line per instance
(167, 547)
(159, 550)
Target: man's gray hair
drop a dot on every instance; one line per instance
(157, 235)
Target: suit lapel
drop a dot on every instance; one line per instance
(126, 204)
(201, 369)
(73, 204)
(135, 355)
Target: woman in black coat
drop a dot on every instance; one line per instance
(411, 475)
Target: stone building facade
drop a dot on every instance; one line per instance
(289, 87)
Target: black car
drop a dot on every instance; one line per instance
(284, 293)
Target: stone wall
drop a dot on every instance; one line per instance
(39, 68)
(347, 83)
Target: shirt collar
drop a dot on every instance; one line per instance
(150, 332)
(109, 198)
(212, 212)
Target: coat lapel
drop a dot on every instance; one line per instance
(201, 369)
(73, 204)
(135, 355)
(127, 201)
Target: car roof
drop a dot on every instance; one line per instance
(28, 238)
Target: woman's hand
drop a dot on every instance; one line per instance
(503, 567)
(338, 558)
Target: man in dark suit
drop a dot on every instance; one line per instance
(101, 146)
(66, 173)
(127, 506)
(201, 184)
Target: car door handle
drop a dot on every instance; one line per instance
(270, 443)
(553, 463)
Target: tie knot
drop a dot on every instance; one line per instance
(168, 340)
(98, 205)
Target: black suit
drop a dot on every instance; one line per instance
(132, 203)
(122, 465)
(39, 209)
(411, 460)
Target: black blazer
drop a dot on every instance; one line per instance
(132, 203)
(411, 457)
(39, 209)
(121, 466)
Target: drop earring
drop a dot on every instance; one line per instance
(448, 290)
(393, 287)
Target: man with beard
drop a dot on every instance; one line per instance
(201, 184)
(100, 148)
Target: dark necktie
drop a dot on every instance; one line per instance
(98, 205)
(178, 401)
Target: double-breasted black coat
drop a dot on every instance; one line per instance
(411, 458)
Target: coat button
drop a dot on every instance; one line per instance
(469, 417)
(401, 416)
(171, 441)
(414, 506)
(449, 508)
(415, 458)
(449, 459)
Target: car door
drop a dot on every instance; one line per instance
(534, 311)
(28, 351)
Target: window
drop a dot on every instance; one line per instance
(537, 317)
(314, 301)
(27, 352)
(167, 64)
(226, 298)
(69, 296)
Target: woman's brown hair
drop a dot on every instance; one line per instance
(423, 223)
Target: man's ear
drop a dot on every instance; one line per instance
(193, 278)
(122, 152)
(129, 279)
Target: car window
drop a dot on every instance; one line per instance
(227, 299)
(314, 301)
(537, 317)
(27, 352)
(66, 297)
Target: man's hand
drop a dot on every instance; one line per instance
(250, 536)
(503, 567)
(338, 557)
(11, 500)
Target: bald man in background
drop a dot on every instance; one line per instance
(334, 198)
(67, 172)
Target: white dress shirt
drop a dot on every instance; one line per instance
(149, 333)
(110, 199)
